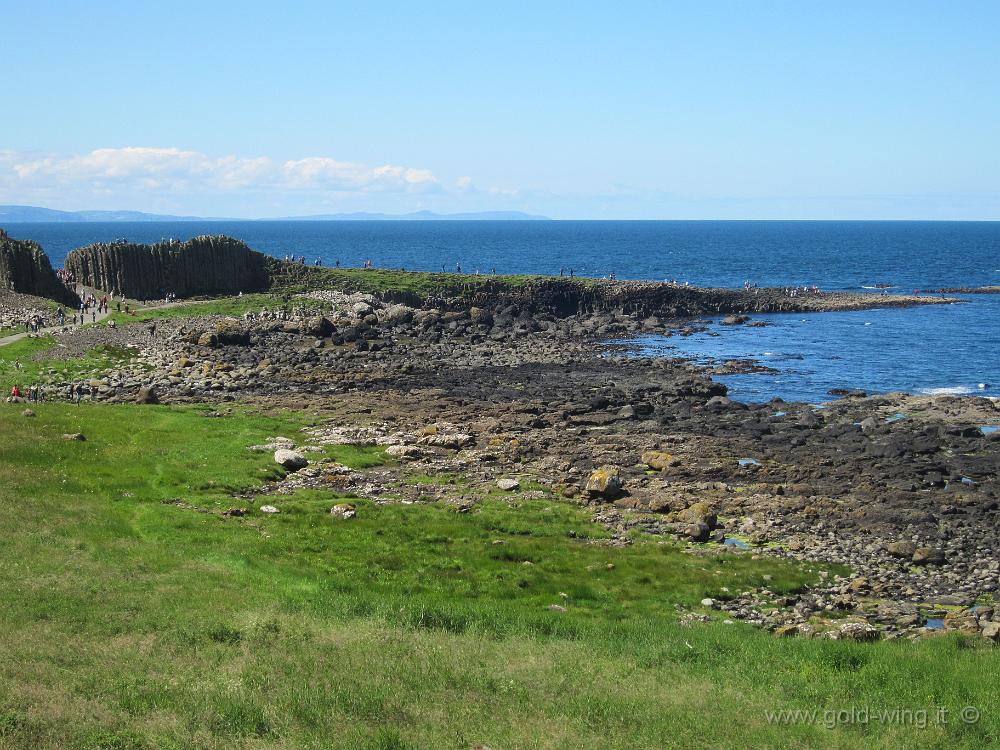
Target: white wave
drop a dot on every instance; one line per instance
(957, 390)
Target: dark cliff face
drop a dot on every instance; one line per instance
(200, 266)
(25, 268)
(564, 297)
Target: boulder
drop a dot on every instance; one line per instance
(859, 631)
(454, 440)
(147, 395)
(605, 482)
(343, 511)
(74, 436)
(928, 556)
(269, 509)
(508, 484)
(699, 513)
(291, 460)
(657, 460)
(903, 549)
(991, 630)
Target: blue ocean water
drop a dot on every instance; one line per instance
(942, 347)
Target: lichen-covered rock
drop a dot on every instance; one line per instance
(699, 513)
(657, 460)
(605, 482)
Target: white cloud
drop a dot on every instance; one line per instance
(172, 169)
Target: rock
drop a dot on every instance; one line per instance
(903, 549)
(269, 509)
(859, 631)
(147, 395)
(991, 630)
(657, 460)
(453, 440)
(928, 556)
(786, 631)
(343, 511)
(708, 602)
(860, 585)
(291, 460)
(696, 532)
(234, 512)
(28, 413)
(404, 451)
(699, 513)
(963, 621)
(74, 436)
(733, 320)
(605, 482)
(557, 608)
(507, 484)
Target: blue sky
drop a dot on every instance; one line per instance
(574, 110)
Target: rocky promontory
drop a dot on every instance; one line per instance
(24, 268)
(201, 266)
(219, 265)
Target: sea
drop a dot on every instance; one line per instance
(934, 349)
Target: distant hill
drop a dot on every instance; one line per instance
(422, 216)
(31, 214)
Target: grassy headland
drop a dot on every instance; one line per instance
(136, 615)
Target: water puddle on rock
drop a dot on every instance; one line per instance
(988, 429)
(737, 543)
(748, 462)
(935, 623)
(895, 418)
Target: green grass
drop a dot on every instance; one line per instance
(129, 622)
(24, 363)
(234, 306)
(421, 283)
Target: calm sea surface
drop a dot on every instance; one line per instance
(953, 348)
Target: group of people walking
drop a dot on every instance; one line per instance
(32, 394)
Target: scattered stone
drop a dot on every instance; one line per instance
(28, 413)
(269, 509)
(291, 460)
(74, 436)
(508, 484)
(343, 511)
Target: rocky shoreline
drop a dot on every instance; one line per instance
(901, 490)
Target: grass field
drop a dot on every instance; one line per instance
(26, 362)
(136, 616)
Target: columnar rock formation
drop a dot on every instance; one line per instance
(25, 268)
(200, 266)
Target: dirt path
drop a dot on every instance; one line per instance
(100, 316)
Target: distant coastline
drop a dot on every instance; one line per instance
(38, 214)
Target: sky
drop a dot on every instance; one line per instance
(577, 110)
